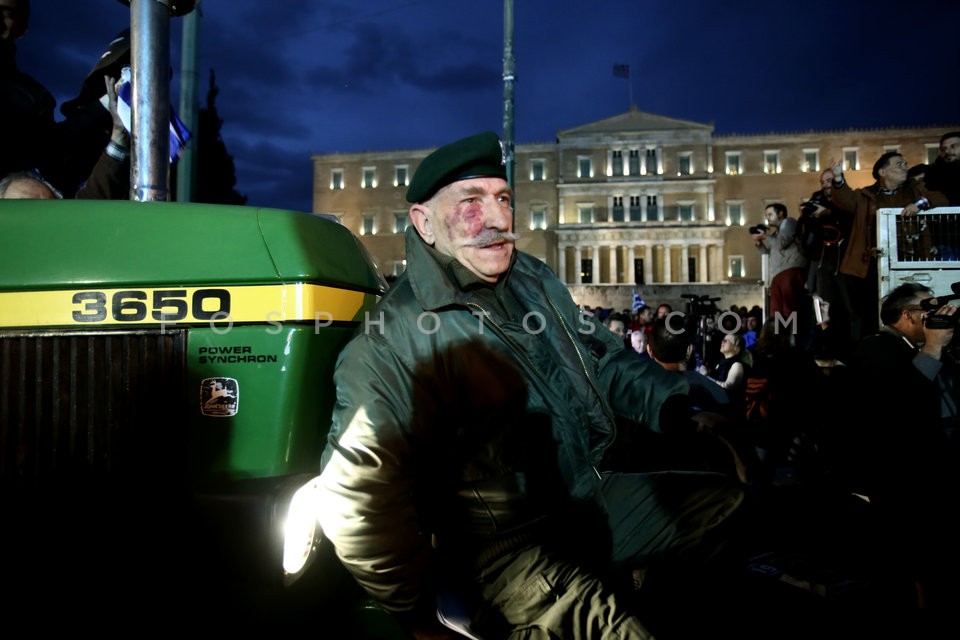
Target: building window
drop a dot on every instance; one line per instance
(584, 167)
(851, 159)
(538, 169)
(636, 213)
(735, 267)
(336, 178)
(368, 225)
(653, 162)
(771, 162)
(685, 163)
(931, 153)
(811, 160)
(685, 211)
(734, 214)
(369, 178)
(616, 163)
(538, 219)
(653, 212)
(585, 213)
(586, 270)
(691, 269)
(400, 174)
(617, 209)
(634, 162)
(734, 166)
(401, 220)
(887, 148)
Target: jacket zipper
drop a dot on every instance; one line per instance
(519, 349)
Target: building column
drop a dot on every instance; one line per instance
(595, 267)
(562, 264)
(578, 266)
(711, 207)
(648, 262)
(667, 276)
(684, 266)
(703, 262)
(631, 267)
(612, 267)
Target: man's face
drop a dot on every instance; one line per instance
(467, 220)
(12, 23)
(826, 180)
(770, 215)
(28, 189)
(618, 327)
(662, 312)
(950, 150)
(911, 322)
(895, 173)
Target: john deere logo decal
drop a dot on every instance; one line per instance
(219, 397)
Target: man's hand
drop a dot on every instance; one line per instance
(910, 210)
(119, 133)
(934, 340)
(837, 168)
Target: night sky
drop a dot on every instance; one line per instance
(304, 77)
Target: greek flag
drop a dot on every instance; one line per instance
(637, 301)
(179, 134)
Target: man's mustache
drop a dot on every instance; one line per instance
(489, 237)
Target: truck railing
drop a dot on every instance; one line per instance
(924, 248)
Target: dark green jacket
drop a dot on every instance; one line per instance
(578, 374)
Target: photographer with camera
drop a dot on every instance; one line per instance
(787, 263)
(899, 437)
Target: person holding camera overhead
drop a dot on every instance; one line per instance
(788, 265)
(901, 442)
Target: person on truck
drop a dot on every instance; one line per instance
(471, 425)
(944, 174)
(26, 106)
(858, 268)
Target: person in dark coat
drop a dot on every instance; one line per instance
(903, 456)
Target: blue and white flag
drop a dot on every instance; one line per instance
(179, 134)
(637, 301)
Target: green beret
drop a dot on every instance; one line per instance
(479, 156)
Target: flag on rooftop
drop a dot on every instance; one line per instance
(621, 70)
(638, 302)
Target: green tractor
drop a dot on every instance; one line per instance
(166, 389)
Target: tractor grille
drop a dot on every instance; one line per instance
(89, 407)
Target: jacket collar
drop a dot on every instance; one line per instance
(438, 280)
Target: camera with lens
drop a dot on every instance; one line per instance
(758, 228)
(810, 207)
(934, 320)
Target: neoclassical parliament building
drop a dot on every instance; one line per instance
(636, 201)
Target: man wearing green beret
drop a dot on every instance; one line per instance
(473, 413)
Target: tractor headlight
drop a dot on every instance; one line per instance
(301, 531)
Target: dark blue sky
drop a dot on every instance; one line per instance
(304, 77)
